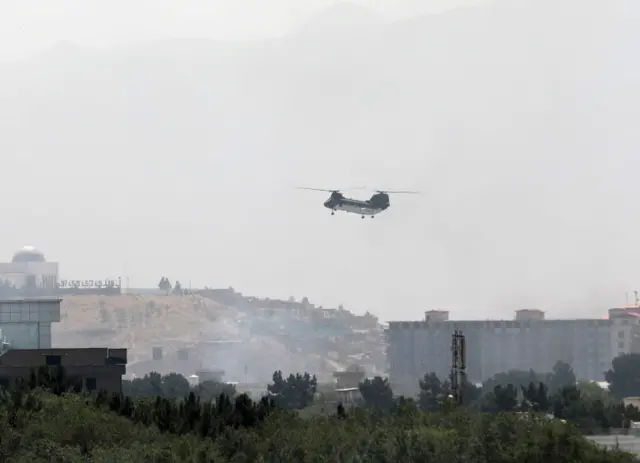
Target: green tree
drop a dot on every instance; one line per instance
(377, 393)
(561, 376)
(165, 285)
(295, 392)
(209, 390)
(430, 393)
(517, 378)
(535, 397)
(175, 385)
(624, 376)
(502, 398)
(471, 394)
(592, 391)
(177, 289)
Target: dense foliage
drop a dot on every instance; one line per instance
(41, 422)
(556, 393)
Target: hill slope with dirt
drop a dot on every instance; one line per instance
(269, 339)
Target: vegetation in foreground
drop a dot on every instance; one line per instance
(38, 422)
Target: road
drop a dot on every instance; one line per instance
(630, 444)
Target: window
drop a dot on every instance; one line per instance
(53, 360)
(621, 345)
(90, 384)
(620, 334)
(625, 322)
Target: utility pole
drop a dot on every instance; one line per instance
(458, 365)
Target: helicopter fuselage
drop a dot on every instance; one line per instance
(376, 204)
(371, 207)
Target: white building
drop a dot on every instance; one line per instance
(28, 268)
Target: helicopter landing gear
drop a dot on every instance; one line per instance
(363, 216)
(333, 212)
(372, 216)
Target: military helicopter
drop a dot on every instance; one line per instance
(365, 207)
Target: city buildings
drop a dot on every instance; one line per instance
(495, 346)
(29, 304)
(25, 329)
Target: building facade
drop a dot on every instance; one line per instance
(625, 330)
(94, 368)
(497, 346)
(26, 322)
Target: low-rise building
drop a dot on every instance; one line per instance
(97, 368)
(349, 397)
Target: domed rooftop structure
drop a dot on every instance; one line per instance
(28, 254)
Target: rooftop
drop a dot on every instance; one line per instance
(32, 299)
(512, 322)
(28, 254)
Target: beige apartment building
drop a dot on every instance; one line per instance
(529, 341)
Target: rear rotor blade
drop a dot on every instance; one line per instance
(399, 192)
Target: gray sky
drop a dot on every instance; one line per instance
(164, 157)
(32, 25)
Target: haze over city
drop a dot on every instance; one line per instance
(142, 141)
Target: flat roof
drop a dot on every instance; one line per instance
(506, 320)
(347, 389)
(32, 299)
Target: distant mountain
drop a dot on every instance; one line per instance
(341, 15)
(516, 117)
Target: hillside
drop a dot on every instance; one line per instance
(270, 338)
(139, 322)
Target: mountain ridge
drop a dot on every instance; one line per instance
(523, 134)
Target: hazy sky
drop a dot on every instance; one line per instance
(31, 25)
(179, 159)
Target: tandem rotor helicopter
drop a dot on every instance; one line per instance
(365, 207)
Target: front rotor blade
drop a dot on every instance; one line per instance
(330, 191)
(314, 189)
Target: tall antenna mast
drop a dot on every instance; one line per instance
(636, 300)
(458, 365)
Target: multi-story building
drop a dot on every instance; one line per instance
(625, 330)
(496, 346)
